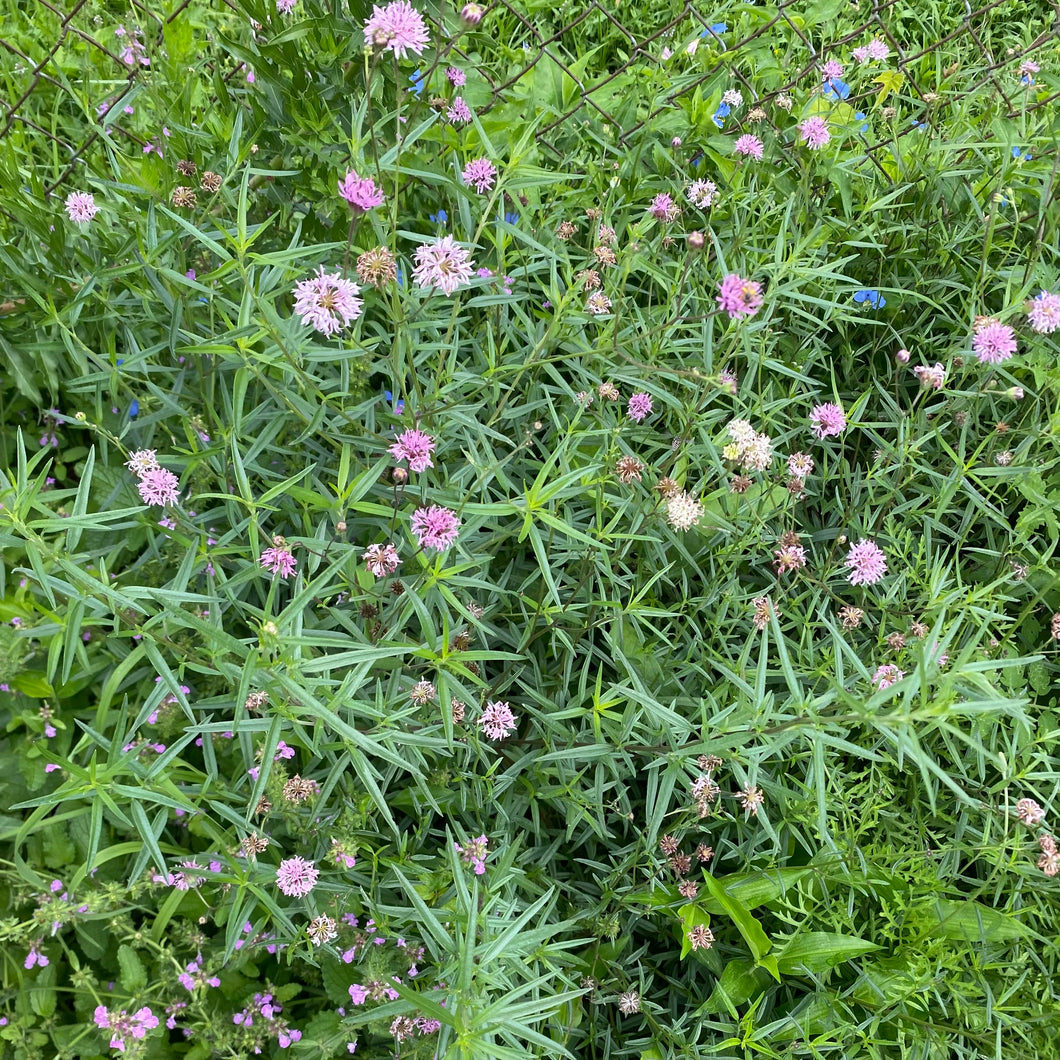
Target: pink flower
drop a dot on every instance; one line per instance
(887, 675)
(381, 560)
(749, 145)
(832, 69)
(459, 113)
(327, 302)
(663, 207)
(932, 377)
(360, 192)
(814, 132)
(285, 6)
(398, 27)
(875, 49)
(81, 207)
(639, 406)
(474, 853)
(141, 461)
(159, 487)
(598, 304)
(497, 720)
(278, 561)
(994, 342)
(740, 297)
(827, 420)
(296, 877)
(1043, 313)
(1029, 812)
(867, 563)
(480, 174)
(701, 193)
(456, 77)
(435, 527)
(415, 447)
(443, 264)
(358, 994)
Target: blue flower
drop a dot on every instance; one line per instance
(836, 89)
(723, 111)
(400, 276)
(512, 218)
(134, 409)
(874, 298)
(417, 82)
(718, 27)
(861, 114)
(918, 124)
(399, 405)
(1020, 156)
(440, 217)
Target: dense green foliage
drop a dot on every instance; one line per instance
(169, 703)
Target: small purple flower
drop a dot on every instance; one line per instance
(639, 406)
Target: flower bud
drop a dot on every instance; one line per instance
(902, 356)
(1015, 393)
(472, 14)
(676, 141)
(340, 526)
(399, 475)
(695, 241)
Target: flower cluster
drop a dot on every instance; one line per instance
(474, 853)
(157, 486)
(122, 1025)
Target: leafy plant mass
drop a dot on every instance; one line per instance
(529, 530)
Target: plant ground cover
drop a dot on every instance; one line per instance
(529, 530)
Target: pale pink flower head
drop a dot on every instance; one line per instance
(701, 193)
(814, 132)
(159, 487)
(750, 146)
(663, 207)
(459, 113)
(867, 563)
(296, 877)
(1043, 313)
(827, 420)
(415, 446)
(598, 304)
(639, 406)
(435, 527)
(740, 297)
(381, 560)
(360, 192)
(1029, 812)
(875, 49)
(285, 7)
(497, 720)
(994, 342)
(443, 264)
(833, 68)
(931, 377)
(887, 675)
(455, 76)
(278, 561)
(683, 510)
(480, 175)
(327, 301)
(81, 207)
(142, 461)
(398, 27)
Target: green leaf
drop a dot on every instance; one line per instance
(815, 951)
(133, 976)
(748, 926)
